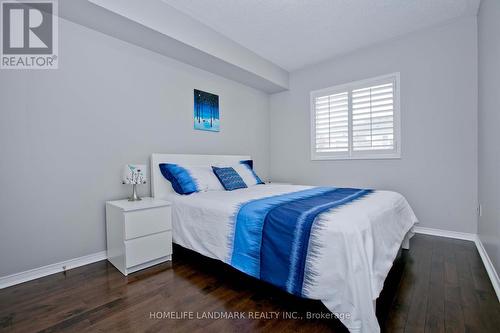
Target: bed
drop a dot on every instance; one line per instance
(343, 244)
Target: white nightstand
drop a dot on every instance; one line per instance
(138, 233)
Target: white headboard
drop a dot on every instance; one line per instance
(160, 187)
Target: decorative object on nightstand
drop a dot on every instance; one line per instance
(134, 174)
(138, 233)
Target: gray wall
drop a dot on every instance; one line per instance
(438, 169)
(489, 130)
(65, 135)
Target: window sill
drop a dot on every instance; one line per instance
(360, 157)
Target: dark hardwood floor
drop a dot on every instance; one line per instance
(440, 285)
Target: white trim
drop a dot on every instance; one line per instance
(350, 154)
(490, 269)
(32, 274)
(445, 233)
(375, 156)
(492, 273)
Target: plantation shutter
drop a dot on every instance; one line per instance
(357, 120)
(373, 118)
(332, 123)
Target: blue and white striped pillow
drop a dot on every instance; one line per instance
(246, 172)
(189, 179)
(229, 178)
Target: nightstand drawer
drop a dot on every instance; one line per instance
(147, 221)
(143, 249)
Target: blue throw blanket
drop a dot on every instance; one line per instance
(271, 235)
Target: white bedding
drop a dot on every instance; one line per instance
(361, 243)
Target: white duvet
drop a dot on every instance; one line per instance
(359, 250)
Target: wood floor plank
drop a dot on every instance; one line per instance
(454, 315)
(434, 321)
(440, 285)
(470, 305)
(418, 307)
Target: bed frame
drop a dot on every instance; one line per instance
(161, 188)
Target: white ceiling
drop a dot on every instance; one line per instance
(296, 33)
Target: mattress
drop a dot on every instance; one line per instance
(358, 243)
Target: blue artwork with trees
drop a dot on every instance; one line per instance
(206, 111)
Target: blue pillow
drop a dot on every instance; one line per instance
(247, 162)
(249, 165)
(181, 180)
(229, 178)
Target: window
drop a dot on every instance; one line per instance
(359, 120)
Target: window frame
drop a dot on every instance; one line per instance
(351, 154)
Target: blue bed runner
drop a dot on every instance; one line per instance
(271, 235)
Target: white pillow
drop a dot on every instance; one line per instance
(204, 178)
(246, 174)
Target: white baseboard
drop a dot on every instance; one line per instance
(10, 280)
(445, 233)
(492, 273)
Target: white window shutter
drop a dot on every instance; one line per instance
(373, 118)
(332, 123)
(357, 120)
